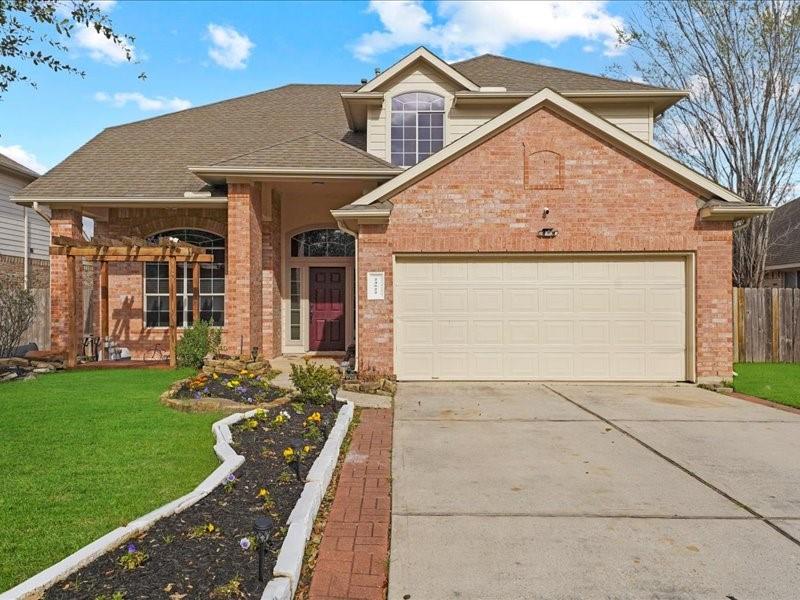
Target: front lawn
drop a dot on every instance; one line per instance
(779, 382)
(84, 452)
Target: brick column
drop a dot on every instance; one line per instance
(271, 262)
(243, 271)
(63, 304)
(375, 317)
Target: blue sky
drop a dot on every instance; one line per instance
(196, 53)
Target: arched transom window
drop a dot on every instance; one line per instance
(323, 242)
(417, 127)
(212, 282)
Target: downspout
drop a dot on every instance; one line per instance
(25, 247)
(340, 224)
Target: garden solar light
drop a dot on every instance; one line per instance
(263, 529)
(254, 352)
(334, 391)
(297, 446)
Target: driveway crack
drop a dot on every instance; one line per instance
(679, 466)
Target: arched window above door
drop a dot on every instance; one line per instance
(323, 242)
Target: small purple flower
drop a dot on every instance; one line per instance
(196, 395)
(230, 478)
(131, 548)
(245, 543)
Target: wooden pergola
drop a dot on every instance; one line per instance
(127, 249)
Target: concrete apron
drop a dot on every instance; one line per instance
(523, 490)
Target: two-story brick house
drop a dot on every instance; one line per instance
(487, 219)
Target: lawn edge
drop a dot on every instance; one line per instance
(758, 400)
(33, 586)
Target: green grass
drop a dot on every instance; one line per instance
(84, 452)
(779, 382)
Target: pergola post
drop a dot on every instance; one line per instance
(195, 292)
(72, 317)
(104, 316)
(173, 311)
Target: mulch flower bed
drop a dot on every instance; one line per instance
(209, 550)
(245, 387)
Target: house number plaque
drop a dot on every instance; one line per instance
(376, 285)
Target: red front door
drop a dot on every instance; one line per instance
(326, 300)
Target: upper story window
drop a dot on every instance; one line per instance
(323, 242)
(417, 127)
(212, 283)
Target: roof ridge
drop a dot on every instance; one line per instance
(552, 68)
(267, 147)
(376, 159)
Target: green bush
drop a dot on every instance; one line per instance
(200, 339)
(313, 382)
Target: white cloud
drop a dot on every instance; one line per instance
(23, 157)
(101, 48)
(468, 28)
(157, 103)
(229, 48)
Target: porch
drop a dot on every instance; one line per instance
(282, 278)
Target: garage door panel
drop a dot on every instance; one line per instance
(567, 318)
(487, 332)
(556, 300)
(521, 300)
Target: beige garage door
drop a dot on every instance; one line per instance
(564, 318)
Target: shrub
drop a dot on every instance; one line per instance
(200, 339)
(313, 382)
(17, 309)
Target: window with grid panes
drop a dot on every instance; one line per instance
(212, 282)
(417, 129)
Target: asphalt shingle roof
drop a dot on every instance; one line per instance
(489, 70)
(295, 125)
(9, 164)
(784, 235)
(149, 158)
(311, 151)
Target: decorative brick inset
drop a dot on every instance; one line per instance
(353, 556)
(544, 170)
(610, 202)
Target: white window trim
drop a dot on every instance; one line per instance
(448, 104)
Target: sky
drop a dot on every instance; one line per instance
(201, 52)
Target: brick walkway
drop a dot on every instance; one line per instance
(353, 558)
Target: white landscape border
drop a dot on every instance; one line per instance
(301, 520)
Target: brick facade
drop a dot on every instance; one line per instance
(271, 279)
(605, 201)
(243, 292)
(64, 304)
(38, 274)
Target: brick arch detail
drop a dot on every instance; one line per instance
(153, 226)
(543, 169)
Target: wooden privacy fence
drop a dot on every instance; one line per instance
(766, 325)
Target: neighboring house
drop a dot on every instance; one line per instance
(487, 219)
(783, 256)
(24, 233)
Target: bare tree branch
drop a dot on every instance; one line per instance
(741, 62)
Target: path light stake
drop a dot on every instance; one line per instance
(324, 427)
(334, 391)
(263, 530)
(254, 353)
(297, 446)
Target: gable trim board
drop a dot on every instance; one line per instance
(548, 98)
(422, 54)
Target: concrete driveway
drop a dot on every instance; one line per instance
(521, 490)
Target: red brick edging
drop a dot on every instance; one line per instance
(353, 556)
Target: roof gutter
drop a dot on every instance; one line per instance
(734, 212)
(294, 173)
(189, 202)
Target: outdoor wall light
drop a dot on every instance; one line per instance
(262, 529)
(547, 232)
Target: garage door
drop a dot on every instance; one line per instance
(565, 318)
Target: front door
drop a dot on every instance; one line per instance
(326, 305)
